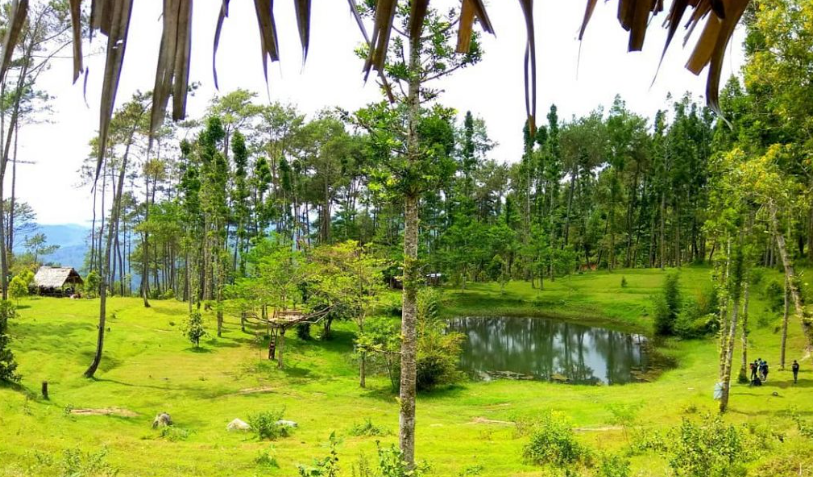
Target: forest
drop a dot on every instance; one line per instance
(386, 232)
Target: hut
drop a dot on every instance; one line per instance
(57, 281)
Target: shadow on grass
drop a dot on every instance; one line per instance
(221, 343)
(198, 349)
(18, 388)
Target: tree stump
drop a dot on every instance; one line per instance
(45, 390)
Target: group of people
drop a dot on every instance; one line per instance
(759, 372)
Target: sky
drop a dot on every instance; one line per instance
(577, 77)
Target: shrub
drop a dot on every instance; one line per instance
(92, 283)
(266, 425)
(8, 365)
(367, 428)
(174, 434)
(391, 463)
(644, 441)
(775, 295)
(553, 442)
(303, 331)
(168, 294)
(696, 320)
(613, 465)
(76, 463)
(326, 467)
(708, 448)
(623, 282)
(17, 288)
(667, 305)
(193, 328)
(438, 350)
(266, 459)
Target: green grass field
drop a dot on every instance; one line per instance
(149, 367)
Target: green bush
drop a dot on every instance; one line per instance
(708, 448)
(174, 434)
(193, 328)
(623, 282)
(17, 288)
(326, 467)
(92, 283)
(265, 425)
(668, 305)
(367, 428)
(553, 442)
(76, 463)
(391, 463)
(267, 459)
(438, 350)
(8, 365)
(613, 465)
(303, 331)
(168, 294)
(775, 295)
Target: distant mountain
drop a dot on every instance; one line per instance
(72, 240)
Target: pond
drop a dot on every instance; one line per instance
(553, 350)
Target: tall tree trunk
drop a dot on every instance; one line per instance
(114, 217)
(785, 315)
(790, 276)
(746, 299)
(145, 266)
(409, 318)
(729, 355)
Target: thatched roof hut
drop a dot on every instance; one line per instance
(54, 277)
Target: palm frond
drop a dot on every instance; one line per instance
(76, 29)
(19, 13)
(114, 20)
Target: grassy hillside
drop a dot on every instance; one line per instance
(149, 367)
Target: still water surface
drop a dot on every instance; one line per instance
(551, 350)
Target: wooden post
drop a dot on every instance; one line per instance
(45, 390)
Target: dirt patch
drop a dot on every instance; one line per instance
(258, 390)
(110, 411)
(483, 420)
(599, 429)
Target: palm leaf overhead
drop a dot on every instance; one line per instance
(172, 73)
(112, 18)
(19, 12)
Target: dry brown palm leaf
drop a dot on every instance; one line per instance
(180, 78)
(723, 16)
(101, 15)
(76, 28)
(19, 13)
(466, 27)
(530, 65)
(224, 12)
(385, 85)
(417, 13)
(303, 22)
(469, 11)
(382, 28)
(119, 13)
(588, 14)
(720, 31)
(268, 32)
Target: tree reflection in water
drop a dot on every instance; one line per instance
(545, 349)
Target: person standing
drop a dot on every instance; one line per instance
(764, 369)
(795, 369)
(753, 371)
